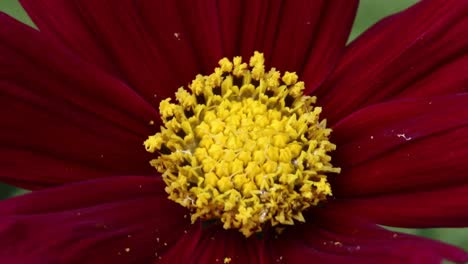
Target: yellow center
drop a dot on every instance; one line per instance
(245, 146)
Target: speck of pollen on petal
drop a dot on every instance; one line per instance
(244, 146)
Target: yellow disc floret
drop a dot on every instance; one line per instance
(244, 146)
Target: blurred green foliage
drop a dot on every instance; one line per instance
(14, 9)
(370, 11)
(6, 191)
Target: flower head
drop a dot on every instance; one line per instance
(245, 146)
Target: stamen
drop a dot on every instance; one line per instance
(244, 146)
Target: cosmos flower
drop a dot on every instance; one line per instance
(80, 96)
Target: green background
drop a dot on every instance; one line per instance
(370, 11)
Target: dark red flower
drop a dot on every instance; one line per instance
(77, 97)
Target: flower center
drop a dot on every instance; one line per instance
(245, 146)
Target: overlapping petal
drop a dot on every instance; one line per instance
(405, 145)
(442, 207)
(335, 236)
(156, 57)
(208, 243)
(119, 41)
(65, 116)
(302, 36)
(116, 220)
(419, 52)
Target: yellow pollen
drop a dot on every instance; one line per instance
(244, 146)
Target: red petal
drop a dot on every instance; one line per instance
(444, 207)
(119, 33)
(30, 259)
(332, 236)
(134, 48)
(452, 77)
(308, 33)
(175, 35)
(118, 220)
(294, 35)
(213, 244)
(61, 20)
(305, 30)
(64, 112)
(399, 57)
(403, 146)
(158, 46)
(31, 169)
(327, 44)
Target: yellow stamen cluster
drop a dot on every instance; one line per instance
(245, 146)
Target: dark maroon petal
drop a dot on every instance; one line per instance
(155, 47)
(419, 52)
(307, 33)
(15, 259)
(30, 169)
(328, 41)
(240, 27)
(117, 220)
(333, 236)
(294, 35)
(58, 110)
(210, 243)
(234, 19)
(125, 35)
(158, 46)
(452, 77)
(444, 207)
(404, 145)
(172, 33)
(119, 41)
(60, 20)
(201, 22)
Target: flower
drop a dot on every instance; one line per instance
(79, 98)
